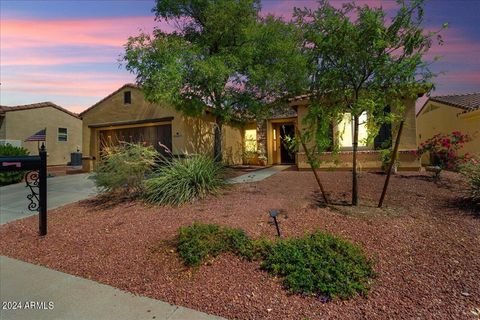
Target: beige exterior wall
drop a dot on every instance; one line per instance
(20, 124)
(190, 135)
(437, 118)
(3, 127)
(367, 157)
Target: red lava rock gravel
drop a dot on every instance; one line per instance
(426, 249)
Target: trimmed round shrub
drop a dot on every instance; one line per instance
(316, 264)
(319, 264)
(7, 150)
(178, 181)
(198, 242)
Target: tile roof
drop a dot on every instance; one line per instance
(468, 102)
(4, 109)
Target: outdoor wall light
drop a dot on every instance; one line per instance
(274, 214)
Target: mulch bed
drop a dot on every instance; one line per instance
(426, 248)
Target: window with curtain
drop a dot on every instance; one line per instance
(251, 140)
(345, 131)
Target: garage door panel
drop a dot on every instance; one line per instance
(151, 135)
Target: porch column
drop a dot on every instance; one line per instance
(262, 137)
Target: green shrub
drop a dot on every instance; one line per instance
(7, 150)
(123, 168)
(179, 181)
(198, 242)
(471, 172)
(320, 264)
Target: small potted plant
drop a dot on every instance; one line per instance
(385, 157)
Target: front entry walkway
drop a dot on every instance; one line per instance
(49, 294)
(258, 175)
(60, 191)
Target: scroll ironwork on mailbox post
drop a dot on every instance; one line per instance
(36, 181)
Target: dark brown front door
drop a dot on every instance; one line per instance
(160, 137)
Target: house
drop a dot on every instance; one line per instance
(368, 155)
(125, 115)
(445, 114)
(63, 129)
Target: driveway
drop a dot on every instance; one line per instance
(60, 191)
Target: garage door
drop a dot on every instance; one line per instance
(151, 135)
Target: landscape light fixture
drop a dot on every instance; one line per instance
(274, 214)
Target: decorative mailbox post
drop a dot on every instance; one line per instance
(36, 180)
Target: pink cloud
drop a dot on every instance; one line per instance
(44, 60)
(74, 32)
(456, 47)
(74, 84)
(461, 77)
(284, 8)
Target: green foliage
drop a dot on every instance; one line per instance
(223, 54)
(385, 158)
(198, 242)
(123, 168)
(320, 264)
(7, 150)
(179, 181)
(471, 172)
(360, 61)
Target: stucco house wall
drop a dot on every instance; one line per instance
(367, 157)
(19, 124)
(190, 135)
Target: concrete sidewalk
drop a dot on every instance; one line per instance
(60, 191)
(56, 295)
(258, 175)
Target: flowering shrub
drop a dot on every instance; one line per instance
(443, 149)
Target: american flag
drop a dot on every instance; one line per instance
(39, 136)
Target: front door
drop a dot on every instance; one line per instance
(287, 131)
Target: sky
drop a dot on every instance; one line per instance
(68, 51)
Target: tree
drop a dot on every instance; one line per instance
(361, 61)
(223, 55)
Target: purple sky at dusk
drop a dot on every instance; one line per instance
(67, 51)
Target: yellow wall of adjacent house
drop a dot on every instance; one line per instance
(437, 118)
(21, 124)
(367, 158)
(190, 135)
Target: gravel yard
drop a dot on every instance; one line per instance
(426, 249)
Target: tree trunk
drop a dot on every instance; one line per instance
(312, 166)
(217, 145)
(393, 158)
(354, 162)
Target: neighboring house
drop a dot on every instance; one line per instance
(125, 115)
(445, 114)
(63, 129)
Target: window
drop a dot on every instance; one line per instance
(127, 97)
(251, 140)
(62, 134)
(383, 140)
(345, 131)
